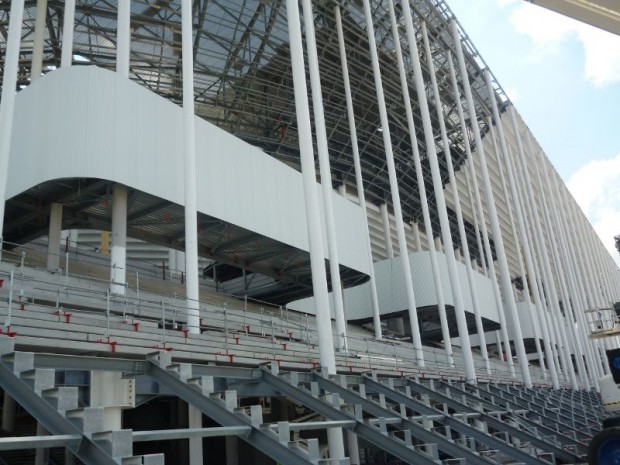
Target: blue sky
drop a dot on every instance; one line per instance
(564, 79)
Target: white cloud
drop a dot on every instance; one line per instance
(549, 31)
(512, 93)
(596, 187)
(505, 3)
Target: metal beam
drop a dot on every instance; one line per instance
(215, 410)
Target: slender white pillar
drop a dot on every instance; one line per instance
(53, 237)
(118, 254)
(36, 67)
(361, 195)
(189, 141)
(444, 222)
(391, 166)
(455, 195)
(550, 283)
(504, 157)
(481, 261)
(548, 209)
(313, 219)
(441, 306)
(353, 448)
(232, 450)
(123, 36)
(66, 55)
(492, 213)
(499, 241)
(326, 175)
(7, 103)
(570, 267)
(416, 236)
(515, 199)
(580, 334)
(194, 420)
(479, 213)
(387, 231)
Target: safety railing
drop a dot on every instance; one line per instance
(274, 331)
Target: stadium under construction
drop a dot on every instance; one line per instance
(281, 231)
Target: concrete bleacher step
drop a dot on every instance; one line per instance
(61, 398)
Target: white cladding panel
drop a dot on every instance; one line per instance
(392, 294)
(88, 122)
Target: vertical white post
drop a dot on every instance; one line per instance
(194, 420)
(517, 200)
(53, 237)
(504, 159)
(358, 172)
(391, 166)
(66, 55)
(492, 213)
(499, 245)
(455, 193)
(189, 140)
(550, 283)
(416, 236)
(7, 102)
(570, 266)
(431, 152)
(36, 67)
(123, 37)
(387, 230)
(441, 306)
(118, 252)
(353, 448)
(315, 236)
(326, 176)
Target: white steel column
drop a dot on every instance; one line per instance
(548, 217)
(66, 55)
(315, 236)
(7, 103)
(118, 255)
(123, 37)
(525, 247)
(416, 236)
(313, 219)
(477, 208)
(53, 237)
(499, 243)
(441, 306)
(361, 195)
(391, 166)
(36, 67)
(194, 420)
(492, 213)
(326, 175)
(444, 222)
(550, 284)
(578, 298)
(588, 269)
(570, 265)
(518, 200)
(189, 140)
(455, 195)
(387, 231)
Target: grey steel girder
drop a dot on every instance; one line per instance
(561, 437)
(51, 419)
(371, 434)
(443, 444)
(256, 437)
(497, 424)
(453, 423)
